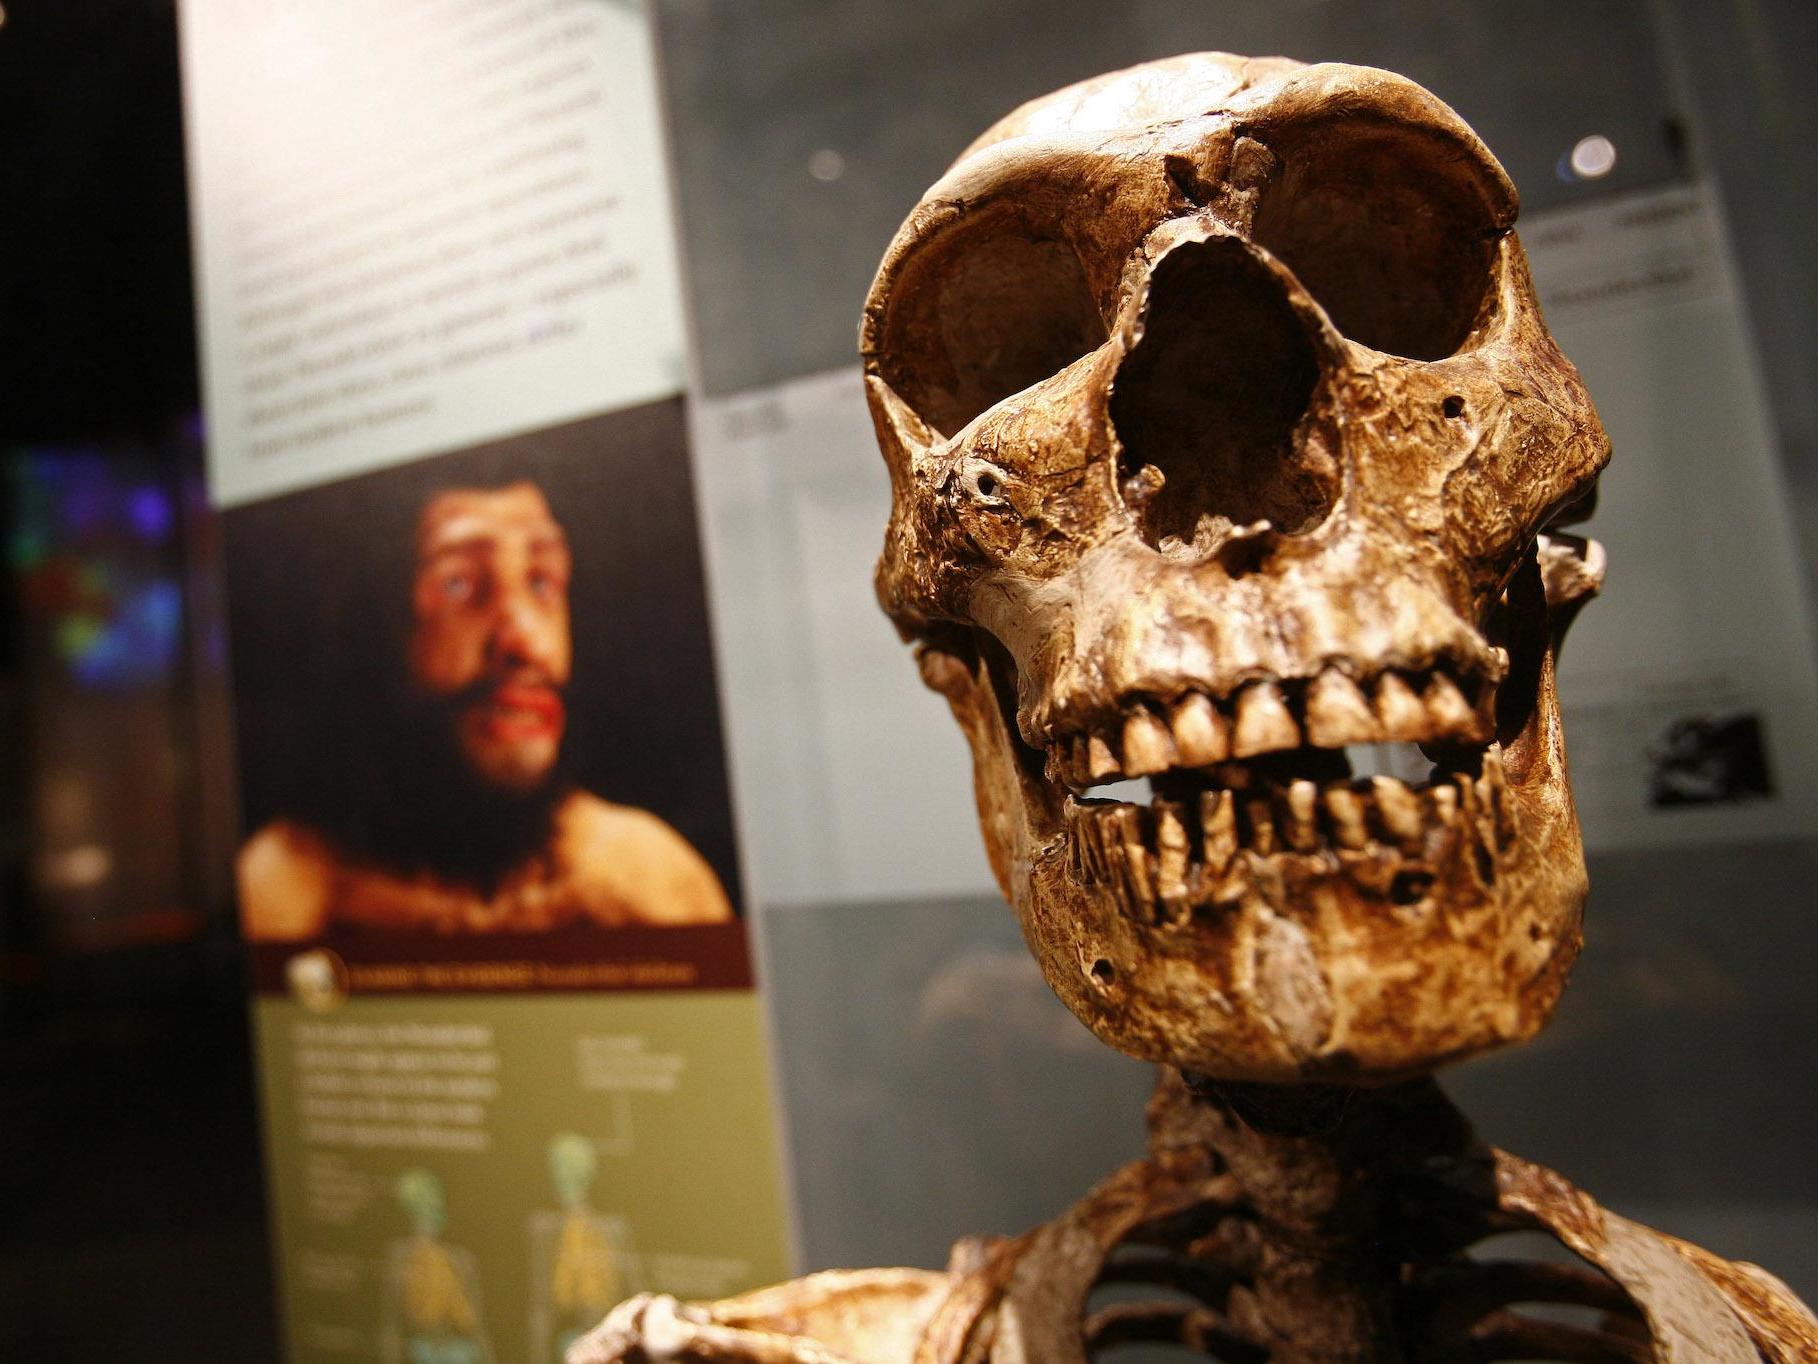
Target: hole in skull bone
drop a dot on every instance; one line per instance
(1394, 232)
(981, 312)
(1410, 887)
(1208, 405)
(1453, 406)
(1104, 972)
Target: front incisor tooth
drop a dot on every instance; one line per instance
(1399, 809)
(1201, 736)
(1303, 802)
(1399, 709)
(1346, 810)
(1148, 748)
(1218, 821)
(1263, 722)
(1101, 762)
(1452, 715)
(1444, 800)
(1337, 713)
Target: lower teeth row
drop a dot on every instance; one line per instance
(1168, 849)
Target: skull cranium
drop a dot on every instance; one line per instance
(1224, 433)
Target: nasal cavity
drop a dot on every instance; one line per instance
(1210, 405)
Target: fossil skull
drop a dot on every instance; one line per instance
(1225, 436)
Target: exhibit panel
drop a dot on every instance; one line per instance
(512, 1061)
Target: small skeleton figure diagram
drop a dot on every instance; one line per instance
(432, 1289)
(581, 1262)
(1225, 436)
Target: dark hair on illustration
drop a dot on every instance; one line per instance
(363, 759)
(331, 734)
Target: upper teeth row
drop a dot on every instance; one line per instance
(1263, 717)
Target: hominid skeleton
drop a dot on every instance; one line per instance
(1224, 435)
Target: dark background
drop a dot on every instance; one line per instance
(643, 721)
(132, 1215)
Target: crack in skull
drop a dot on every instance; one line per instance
(1225, 436)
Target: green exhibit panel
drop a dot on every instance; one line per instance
(477, 1177)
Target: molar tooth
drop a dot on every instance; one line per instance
(1081, 849)
(1346, 810)
(1092, 845)
(1218, 820)
(1468, 802)
(1079, 770)
(1450, 712)
(1261, 820)
(1402, 715)
(1337, 713)
(1135, 857)
(1504, 812)
(1303, 802)
(1201, 736)
(1126, 857)
(1172, 848)
(1101, 762)
(1263, 721)
(1399, 809)
(1148, 747)
(1493, 796)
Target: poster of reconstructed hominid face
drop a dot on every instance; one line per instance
(511, 1054)
(509, 1040)
(480, 746)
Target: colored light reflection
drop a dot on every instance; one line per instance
(91, 548)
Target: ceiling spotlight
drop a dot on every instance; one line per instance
(1593, 157)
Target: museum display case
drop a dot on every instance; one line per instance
(608, 868)
(932, 1086)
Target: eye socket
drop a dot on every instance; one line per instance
(982, 312)
(1394, 231)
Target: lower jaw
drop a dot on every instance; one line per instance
(1322, 963)
(1312, 968)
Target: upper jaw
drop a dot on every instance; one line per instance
(1447, 704)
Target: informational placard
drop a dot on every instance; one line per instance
(1690, 689)
(511, 1051)
(421, 225)
(1689, 693)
